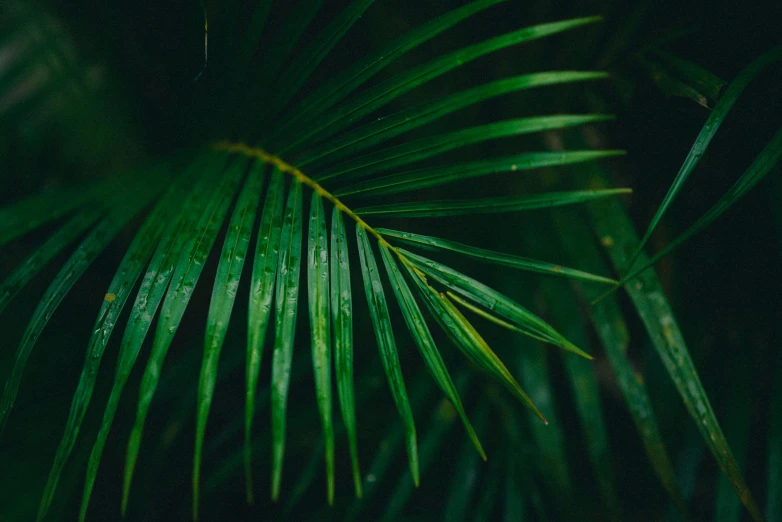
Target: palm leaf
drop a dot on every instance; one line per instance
(261, 293)
(423, 339)
(342, 314)
(71, 230)
(315, 132)
(498, 258)
(657, 316)
(373, 98)
(87, 251)
(381, 321)
(384, 129)
(425, 148)
(229, 272)
(487, 205)
(148, 299)
(335, 89)
(436, 176)
(709, 129)
(320, 321)
(762, 165)
(128, 272)
(285, 323)
(614, 336)
(186, 274)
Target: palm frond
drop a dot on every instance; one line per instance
(314, 139)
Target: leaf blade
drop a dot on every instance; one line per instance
(763, 163)
(148, 299)
(614, 336)
(424, 148)
(416, 324)
(436, 176)
(375, 97)
(128, 272)
(384, 333)
(655, 312)
(285, 322)
(318, 300)
(261, 294)
(498, 258)
(229, 271)
(71, 230)
(187, 272)
(342, 315)
(709, 129)
(447, 208)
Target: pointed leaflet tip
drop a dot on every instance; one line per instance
(707, 132)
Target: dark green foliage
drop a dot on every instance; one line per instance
(374, 112)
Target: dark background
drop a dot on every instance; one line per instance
(137, 101)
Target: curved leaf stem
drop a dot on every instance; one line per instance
(282, 165)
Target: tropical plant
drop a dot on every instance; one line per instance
(269, 134)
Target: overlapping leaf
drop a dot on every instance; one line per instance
(493, 300)
(229, 272)
(373, 98)
(264, 274)
(384, 333)
(186, 274)
(498, 258)
(285, 325)
(423, 339)
(153, 286)
(469, 341)
(320, 321)
(709, 129)
(342, 314)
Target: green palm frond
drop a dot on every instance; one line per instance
(308, 148)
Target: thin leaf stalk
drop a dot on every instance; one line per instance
(282, 165)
